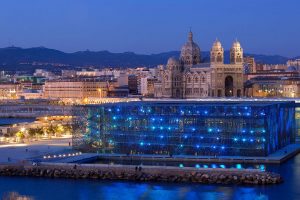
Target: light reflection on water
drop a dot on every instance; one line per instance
(92, 189)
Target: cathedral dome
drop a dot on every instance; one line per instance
(236, 44)
(173, 61)
(190, 52)
(217, 45)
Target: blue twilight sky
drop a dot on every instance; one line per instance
(151, 26)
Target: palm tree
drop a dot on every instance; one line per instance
(20, 135)
(31, 132)
(39, 131)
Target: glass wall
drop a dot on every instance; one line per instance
(185, 128)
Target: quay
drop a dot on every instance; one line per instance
(144, 173)
(278, 157)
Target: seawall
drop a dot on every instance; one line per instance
(146, 173)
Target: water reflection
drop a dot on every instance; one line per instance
(40, 188)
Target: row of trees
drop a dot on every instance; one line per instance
(48, 131)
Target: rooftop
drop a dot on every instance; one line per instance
(209, 102)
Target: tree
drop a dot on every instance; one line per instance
(20, 135)
(31, 132)
(39, 131)
(59, 129)
(51, 130)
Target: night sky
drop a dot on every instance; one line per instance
(151, 26)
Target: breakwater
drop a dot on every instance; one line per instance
(145, 173)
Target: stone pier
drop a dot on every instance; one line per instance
(143, 173)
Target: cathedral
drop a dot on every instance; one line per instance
(189, 78)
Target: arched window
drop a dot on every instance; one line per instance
(189, 80)
(196, 79)
(166, 78)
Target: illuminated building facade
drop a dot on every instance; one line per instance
(189, 128)
(80, 88)
(189, 78)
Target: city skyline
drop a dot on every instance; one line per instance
(267, 27)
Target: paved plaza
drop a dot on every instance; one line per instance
(14, 153)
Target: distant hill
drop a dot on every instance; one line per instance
(15, 58)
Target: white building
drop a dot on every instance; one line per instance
(189, 78)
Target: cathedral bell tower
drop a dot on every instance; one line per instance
(236, 53)
(217, 53)
(227, 79)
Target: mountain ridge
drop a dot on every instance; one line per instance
(15, 56)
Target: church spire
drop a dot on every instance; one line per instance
(190, 35)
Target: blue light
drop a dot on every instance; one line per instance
(197, 166)
(153, 127)
(161, 119)
(129, 118)
(118, 109)
(239, 113)
(205, 166)
(185, 136)
(169, 128)
(248, 114)
(181, 145)
(152, 119)
(214, 147)
(246, 108)
(198, 146)
(214, 166)
(206, 112)
(264, 131)
(251, 131)
(142, 143)
(181, 165)
(109, 110)
(193, 129)
(210, 130)
(263, 139)
(201, 137)
(222, 147)
(161, 128)
(238, 166)
(251, 140)
(114, 117)
(243, 131)
(244, 140)
(161, 136)
(235, 139)
(218, 130)
(262, 113)
(262, 167)
(218, 138)
(149, 144)
(222, 166)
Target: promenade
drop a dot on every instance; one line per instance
(14, 153)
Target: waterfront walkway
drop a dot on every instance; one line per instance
(14, 153)
(278, 157)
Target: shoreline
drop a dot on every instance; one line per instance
(144, 174)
